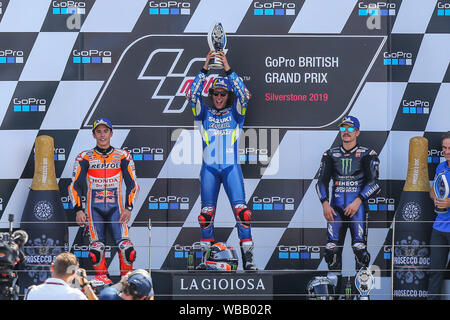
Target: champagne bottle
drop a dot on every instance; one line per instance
(412, 227)
(43, 217)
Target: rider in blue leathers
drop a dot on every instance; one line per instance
(220, 124)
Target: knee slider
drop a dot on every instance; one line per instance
(206, 217)
(362, 256)
(97, 252)
(243, 214)
(333, 256)
(127, 252)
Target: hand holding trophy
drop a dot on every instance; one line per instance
(217, 41)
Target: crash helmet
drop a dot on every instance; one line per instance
(220, 257)
(320, 288)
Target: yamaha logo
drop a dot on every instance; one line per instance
(411, 211)
(43, 210)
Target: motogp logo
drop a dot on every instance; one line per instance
(185, 83)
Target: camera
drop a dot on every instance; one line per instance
(11, 254)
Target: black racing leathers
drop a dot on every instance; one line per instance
(354, 174)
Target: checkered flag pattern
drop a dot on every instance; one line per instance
(64, 63)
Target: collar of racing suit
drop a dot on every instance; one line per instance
(351, 150)
(220, 112)
(104, 151)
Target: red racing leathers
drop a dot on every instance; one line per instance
(104, 171)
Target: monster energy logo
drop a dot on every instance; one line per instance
(346, 165)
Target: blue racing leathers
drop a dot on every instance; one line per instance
(220, 131)
(355, 174)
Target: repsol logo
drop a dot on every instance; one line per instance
(105, 166)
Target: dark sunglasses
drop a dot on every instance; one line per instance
(349, 129)
(222, 94)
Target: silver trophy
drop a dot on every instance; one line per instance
(364, 282)
(217, 40)
(441, 190)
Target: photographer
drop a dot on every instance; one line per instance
(135, 285)
(65, 270)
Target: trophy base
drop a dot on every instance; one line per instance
(215, 66)
(440, 211)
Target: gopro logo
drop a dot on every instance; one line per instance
(168, 203)
(275, 8)
(443, 9)
(169, 8)
(376, 9)
(68, 7)
(91, 56)
(398, 58)
(29, 105)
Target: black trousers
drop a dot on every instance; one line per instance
(440, 242)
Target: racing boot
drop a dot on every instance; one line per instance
(247, 256)
(99, 283)
(205, 245)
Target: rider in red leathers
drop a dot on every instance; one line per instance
(104, 168)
